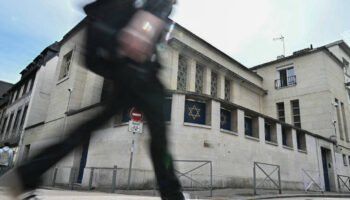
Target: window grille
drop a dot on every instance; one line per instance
(182, 73)
(227, 90)
(280, 111)
(296, 113)
(214, 84)
(65, 67)
(199, 79)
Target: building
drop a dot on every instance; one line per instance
(28, 98)
(310, 89)
(4, 87)
(217, 109)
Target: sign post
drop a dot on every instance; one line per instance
(135, 126)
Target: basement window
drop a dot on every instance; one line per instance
(251, 126)
(301, 140)
(287, 139)
(270, 132)
(197, 112)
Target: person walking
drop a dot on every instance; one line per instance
(6, 156)
(120, 44)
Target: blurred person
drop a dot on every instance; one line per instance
(120, 45)
(6, 156)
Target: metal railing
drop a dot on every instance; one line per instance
(281, 83)
(72, 176)
(312, 175)
(74, 173)
(202, 163)
(260, 165)
(345, 180)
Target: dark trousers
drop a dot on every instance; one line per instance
(146, 94)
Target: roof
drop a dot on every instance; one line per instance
(4, 87)
(39, 61)
(301, 53)
(341, 44)
(81, 24)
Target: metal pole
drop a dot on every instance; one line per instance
(114, 178)
(91, 177)
(72, 178)
(54, 177)
(254, 177)
(131, 157)
(302, 174)
(211, 179)
(279, 179)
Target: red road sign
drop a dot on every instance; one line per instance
(135, 115)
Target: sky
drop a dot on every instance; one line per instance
(243, 29)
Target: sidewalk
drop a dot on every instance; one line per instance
(222, 194)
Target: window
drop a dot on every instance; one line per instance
(167, 109)
(349, 160)
(296, 113)
(14, 96)
(227, 90)
(346, 66)
(344, 160)
(182, 74)
(251, 126)
(280, 111)
(23, 117)
(9, 125)
(15, 126)
(195, 112)
(287, 139)
(126, 115)
(199, 79)
(267, 132)
(286, 77)
(214, 84)
(344, 120)
(66, 62)
(339, 121)
(106, 89)
(31, 84)
(225, 119)
(270, 131)
(3, 125)
(301, 141)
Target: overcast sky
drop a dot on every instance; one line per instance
(243, 29)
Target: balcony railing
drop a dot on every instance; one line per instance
(281, 83)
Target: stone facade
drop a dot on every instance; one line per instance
(29, 99)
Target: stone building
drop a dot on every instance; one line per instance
(218, 110)
(4, 87)
(310, 89)
(28, 98)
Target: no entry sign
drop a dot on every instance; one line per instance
(135, 115)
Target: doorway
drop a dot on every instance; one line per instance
(83, 162)
(326, 164)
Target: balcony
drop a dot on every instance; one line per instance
(287, 82)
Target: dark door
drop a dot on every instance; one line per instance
(83, 162)
(325, 169)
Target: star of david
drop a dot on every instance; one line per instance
(223, 119)
(194, 116)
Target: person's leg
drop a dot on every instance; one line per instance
(150, 99)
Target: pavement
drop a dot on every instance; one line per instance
(221, 194)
